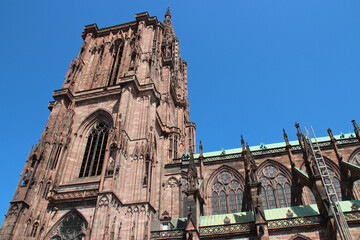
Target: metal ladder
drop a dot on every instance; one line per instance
(332, 196)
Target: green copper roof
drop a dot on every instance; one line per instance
(218, 219)
(297, 211)
(272, 145)
(270, 214)
(300, 171)
(346, 205)
(351, 164)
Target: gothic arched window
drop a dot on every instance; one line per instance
(275, 188)
(227, 194)
(34, 229)
(95, 151)
(333, 176)
(335, 182)
(71, 226)
(355, 159)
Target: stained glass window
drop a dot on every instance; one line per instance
(215, 203)
(356, 161)
(276, 190)
(337, 187)
(271, 197)
(239, 199)
(227, 194)
(335, 182)
(232, 201)
(223, 203)
(288, 193)
(280, 195)
(264, 198)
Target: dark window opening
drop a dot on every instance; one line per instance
(132, 61)
(117, 54)
(95, 151)
(170, 147)
(56, 157)
(34, 229)
(175, 146)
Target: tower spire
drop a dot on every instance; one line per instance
(168, 14)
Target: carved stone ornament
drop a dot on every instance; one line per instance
(71, 227)
(14, 210)
(289, 213)
(172, 183)
(104, 201)
(226, 220)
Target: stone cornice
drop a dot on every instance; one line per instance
(257, 154)
(93, 28)
(63, 93)
(148, 88)
(144, 88)
(97, 93)
(164, 128)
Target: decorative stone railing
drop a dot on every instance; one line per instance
(294, 222)
(241, 228)
(165, 234)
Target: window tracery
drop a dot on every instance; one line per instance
(335, 178)
(355, 159)
(227, 194)
(34, 229)
(275, 188)
(95, 151)
(71, 226)
(336, 182)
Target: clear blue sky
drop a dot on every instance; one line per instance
(254, 67)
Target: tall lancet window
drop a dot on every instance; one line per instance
(227, 194)
(275, 188)
(335, 182)
(355, 159)
(95, 151)
(117, 50)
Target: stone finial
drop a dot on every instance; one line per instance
(242, 143)
(226, 220)
(165, 215)
(223, 152)
(250, 158)
(262, 146)
(201, 149)
(289, 213)
(168, 14)
(297, 125)
(330, 134)
(286, 138)
(356, 129)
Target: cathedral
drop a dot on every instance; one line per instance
(117, 159)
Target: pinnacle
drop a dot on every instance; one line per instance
(168, 13)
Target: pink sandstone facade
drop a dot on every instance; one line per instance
(116, 159)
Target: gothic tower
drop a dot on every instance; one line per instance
(120, 116)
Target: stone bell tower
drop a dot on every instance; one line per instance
(120, 116)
